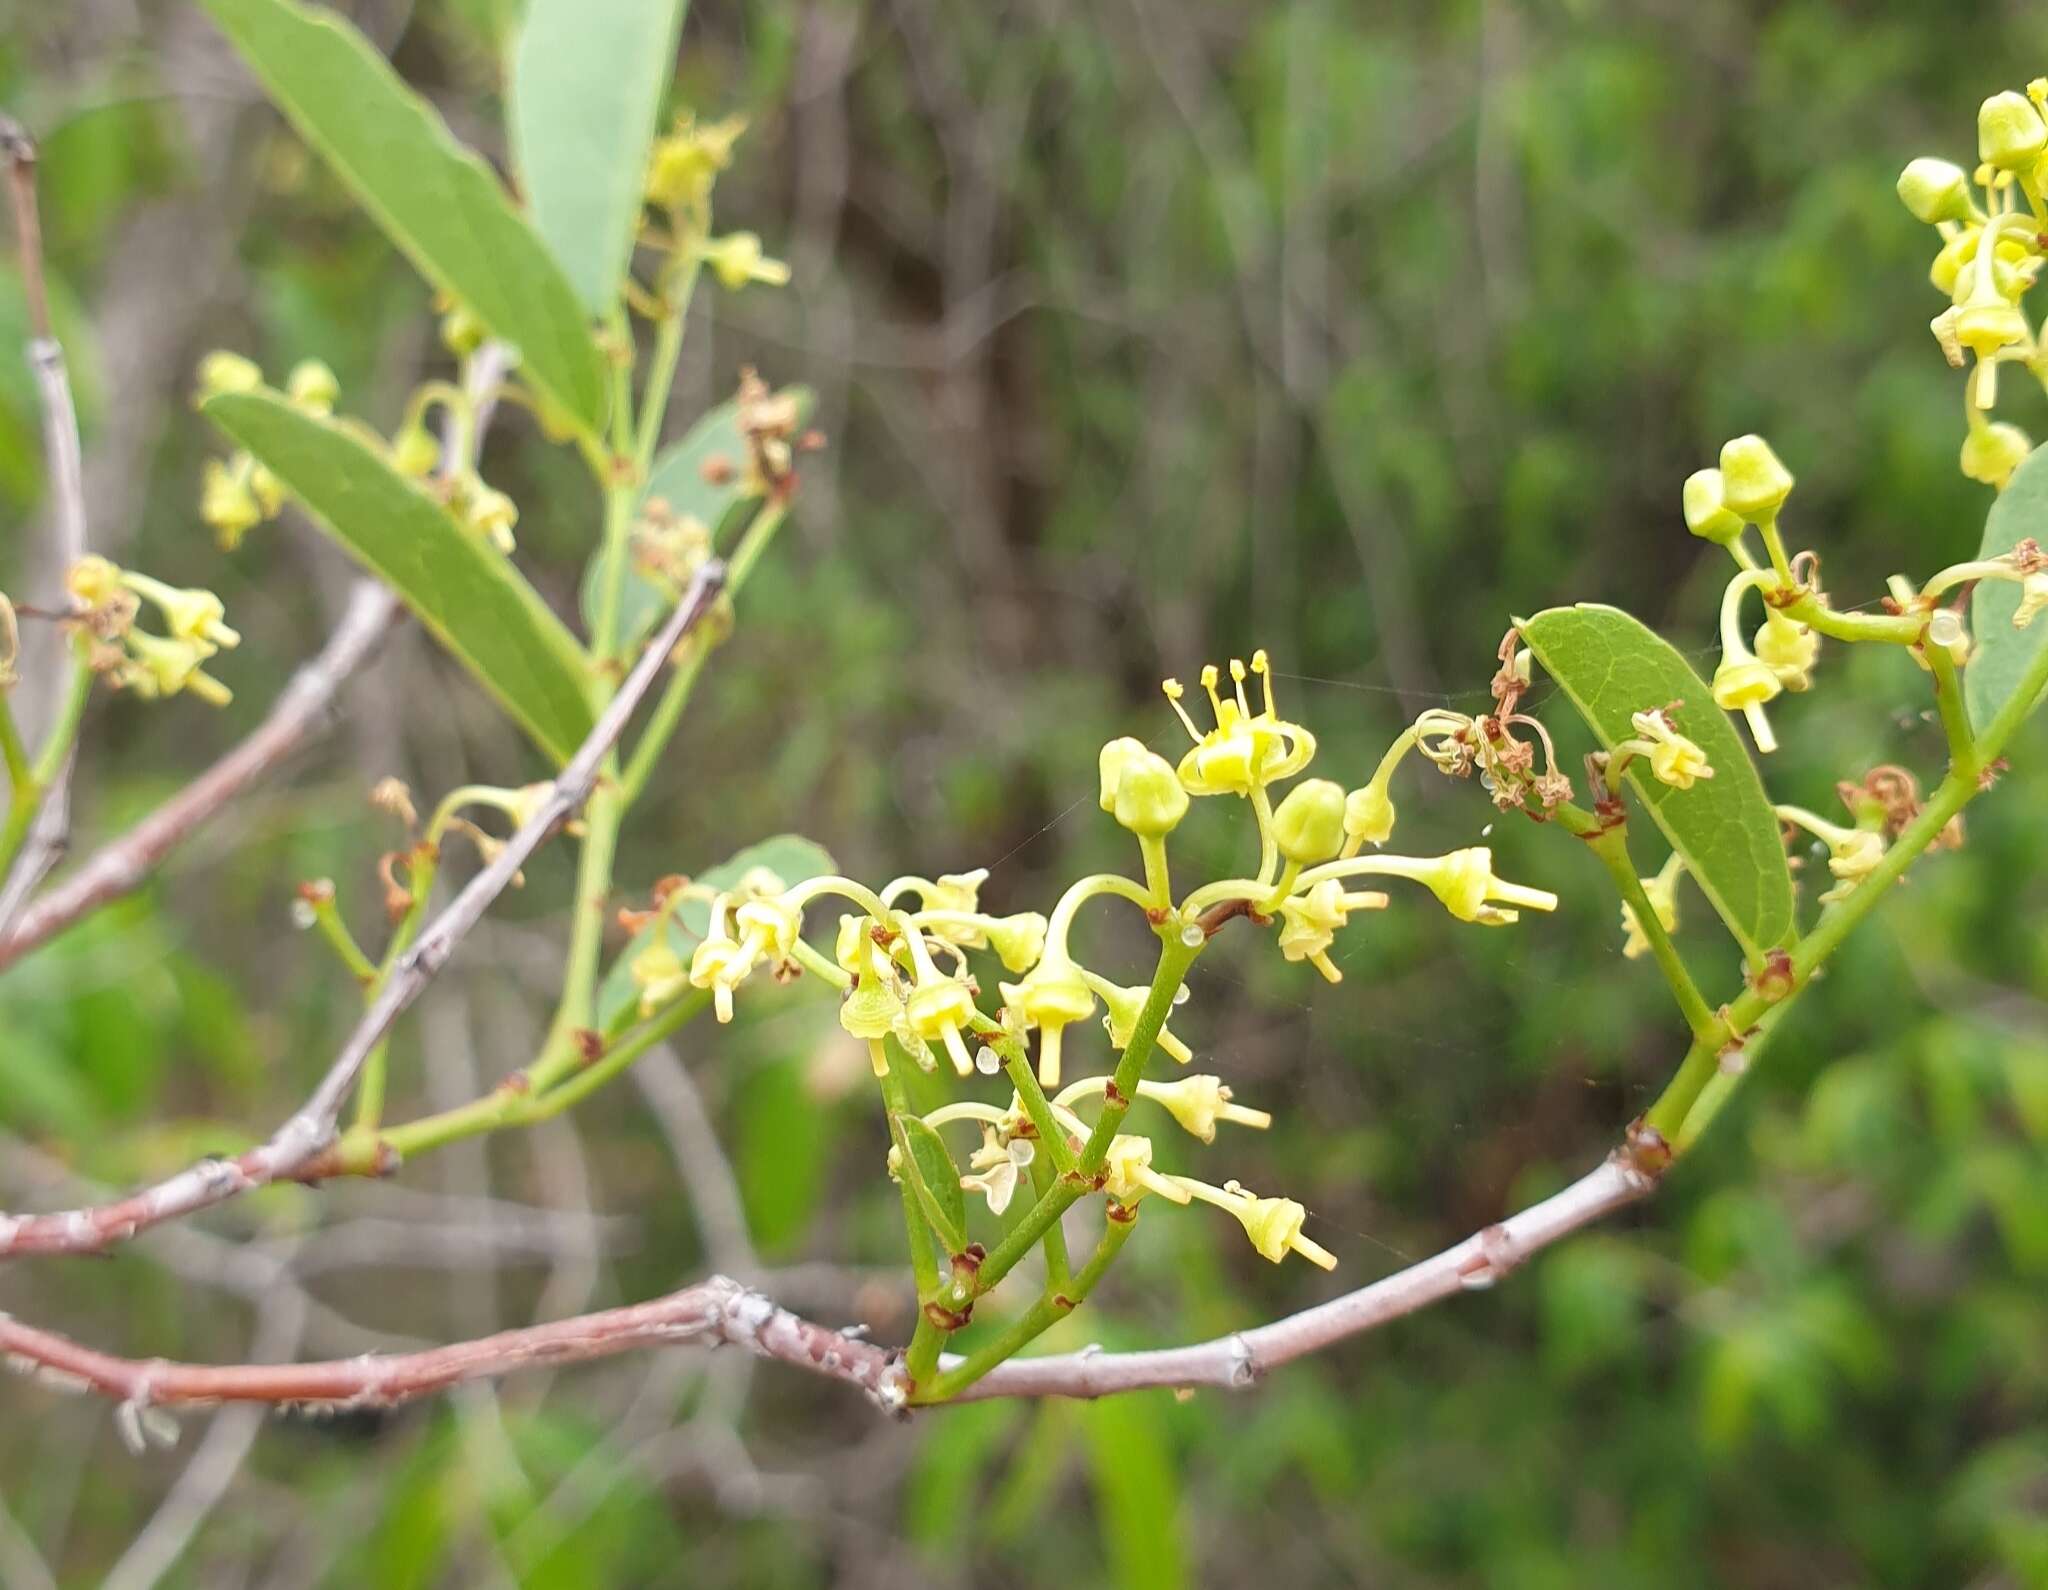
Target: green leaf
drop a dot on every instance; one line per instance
(2003, 653)
(437, 201)
(1137, 1494)
(791, 857)
(678, 479)
(586, 87)
(1610, 666)
(472, 599)
(934, 1178)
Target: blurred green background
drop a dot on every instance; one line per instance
(1144, 334)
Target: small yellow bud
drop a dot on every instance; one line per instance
(313, 387)
(1018, 939)
(414, 451)
(1308, 825)
(1935, 190)
(1992, 452)
(1743, 684)
(1369, 814)
(461, 332)
(1707, 514)
(1753, 482)
(227, 504)
(492, 515)
(660, 975)
(2010, 132)
(222, 371)
(1110, 763)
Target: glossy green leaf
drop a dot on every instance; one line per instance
(586, 86)
(437, 201)
(791, 857)
(678, 479)
(472, 599)
(934, 1178)
(2003, 653)
(1611, 666)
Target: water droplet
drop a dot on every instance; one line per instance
(1486, 832)
(1181, 995)
(302, 915)
(1193, 936)
(987, 1061)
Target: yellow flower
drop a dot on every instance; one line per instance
(660, 975)
(1464, 881)
(1198, 1102)
(1129, 1176)
(1308, 826)
(1662, 892)
(191, 614)
(1123, 1007)
(164, 666)
(1273, 1224)
(737, 260)
(1674, 759)
(1853, 853)
(1308, 925)
(1052, 996)
(1788, 648)
(1244, 751)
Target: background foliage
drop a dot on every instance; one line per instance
(1142, 333)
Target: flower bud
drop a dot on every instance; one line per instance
(1308, 825)
(1935, 190)
(222, 371)
(492, 515)
(1992, 452)
(1789, 649)
(1150, 799)
(461, 332)
(2010, 133)
(1707, 514)
(1115, 756)
(1369, 814)
(94, 580)
(1018, 940)
(1274, 1225)
(1753, 482)
(227, 504)
(1198, 1102)
(414, 451)
(313, 387)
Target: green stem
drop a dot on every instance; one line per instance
(675, 695)
(1899, 629)
(661, 364)
(27, 798)
(1948, 700)
(335, 931)
(1175, 957)
(1054, 1306)
(1058, 1268)
(1611, 846)
(12, 751)
(1688, 1088)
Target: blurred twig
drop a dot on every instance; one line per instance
(311, 1127)
(52, 825)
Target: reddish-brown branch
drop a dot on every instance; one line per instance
(311, 1128)
(124, 864)
(721, 1310)
(713, 1312)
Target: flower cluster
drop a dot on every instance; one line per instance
(1991, 223)
(237, 495)
(904, 956)
(108, 599)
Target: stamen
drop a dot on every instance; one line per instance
(1264, 669)
(1209, 678)
(1237, 675)
(1173, 695)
